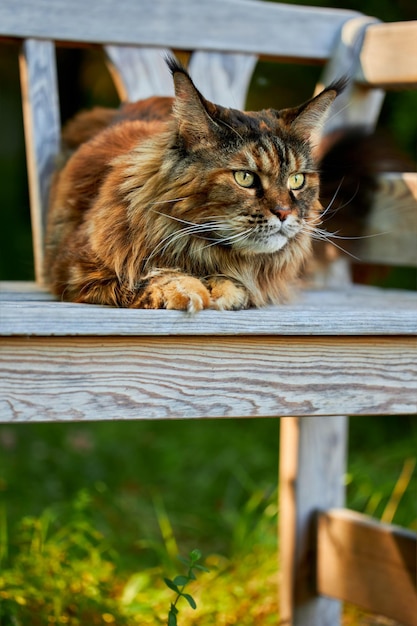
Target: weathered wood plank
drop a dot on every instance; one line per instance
(42, 131)
(312, 463)
(223, 78)
(142, 72)
(189, 377)
(389, 55)
(139, 73)
(27, 310)
(367, 563)
(224, 25)
(359, 310)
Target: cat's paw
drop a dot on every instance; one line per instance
(187, 294)
(172, 290)
(227, 295)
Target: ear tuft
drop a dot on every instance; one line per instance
(174, 65)
(309, 120)
(190, 109)
(339, 85)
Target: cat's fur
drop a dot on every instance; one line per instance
(151, 212)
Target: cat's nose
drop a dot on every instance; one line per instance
(281, 212)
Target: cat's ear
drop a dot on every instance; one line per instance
(191, 110)
(308, 120)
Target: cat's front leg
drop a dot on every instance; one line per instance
(171, 289)
(226, 294)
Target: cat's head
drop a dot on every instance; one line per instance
(249, 180)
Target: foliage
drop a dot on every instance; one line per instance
(381, 479)
(180, 583)
(96, 514)
(149, 478)
(59, 574)
(63, 571)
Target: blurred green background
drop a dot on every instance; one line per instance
(151, 488)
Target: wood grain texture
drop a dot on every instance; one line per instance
(223, 25)
(142, 72)
(42, 131)
(312, 463)
(194, 377)
(389, 55)
(139, 73)
(370, 564)
(30, 310)
(223, 78)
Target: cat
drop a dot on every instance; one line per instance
(180, 203)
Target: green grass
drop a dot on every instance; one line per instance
(93, 516)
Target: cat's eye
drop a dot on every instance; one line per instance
(244, 178)
(296, 181)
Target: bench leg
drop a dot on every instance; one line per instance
(312, 465)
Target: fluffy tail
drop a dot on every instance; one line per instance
(86, 124)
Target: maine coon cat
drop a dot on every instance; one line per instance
(183, 204)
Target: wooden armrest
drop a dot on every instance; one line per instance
(389, 55)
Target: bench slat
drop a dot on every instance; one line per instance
(42, 132)
(142, 72)
(96, 378)
(223, 78)
(28, 310)
(139, 73)
(223, 25)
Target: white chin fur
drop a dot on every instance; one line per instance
(267, 245)
(275, 243)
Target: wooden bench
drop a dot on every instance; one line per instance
(348, 350)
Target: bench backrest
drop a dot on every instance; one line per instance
(229, 36)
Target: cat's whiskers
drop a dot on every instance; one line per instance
(337, 113)
(169, 201)
(342, 206)
(231, 128)
(329, 206)
(173, 217)
(335, 235)
(237, 237)
(178, 234)
(319, 234)
(191, 229)
(183, 221)
(197, 229)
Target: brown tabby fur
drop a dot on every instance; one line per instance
(147, 212)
